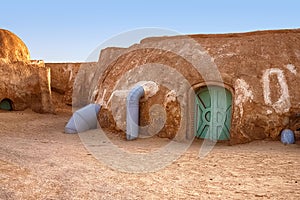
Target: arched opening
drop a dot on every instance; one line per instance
(213, 110)
(6, 104)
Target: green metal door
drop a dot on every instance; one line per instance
(213, 113)
(5, 105)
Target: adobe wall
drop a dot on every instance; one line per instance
(261, 69)
(27, 84)
(63, 76)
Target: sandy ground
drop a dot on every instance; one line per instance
(39, 161)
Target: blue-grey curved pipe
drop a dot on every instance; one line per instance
(83, 119)
(132, 112)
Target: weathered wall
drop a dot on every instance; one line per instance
(27, 84)
(261, 69)
(63, 77)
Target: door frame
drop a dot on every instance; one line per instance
(191, 102)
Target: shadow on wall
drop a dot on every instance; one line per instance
(6, 104)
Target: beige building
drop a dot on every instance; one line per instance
(243, 86)
(24, 83)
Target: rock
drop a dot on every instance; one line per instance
(116, 106)
(287, 136)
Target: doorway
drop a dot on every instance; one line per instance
(213, 113)
(6, 104)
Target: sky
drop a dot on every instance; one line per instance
(70, 30)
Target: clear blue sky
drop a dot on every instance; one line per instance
(57, 30)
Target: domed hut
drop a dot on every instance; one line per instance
(237, 87)
(12, 47)
(24, 83)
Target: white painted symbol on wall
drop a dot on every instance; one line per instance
(242, 94)
(291, 68)
(282, 105)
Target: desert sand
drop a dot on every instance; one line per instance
(39, 161)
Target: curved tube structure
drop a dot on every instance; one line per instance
(83, 119)
(132, 112)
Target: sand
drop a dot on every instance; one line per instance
(39, 161)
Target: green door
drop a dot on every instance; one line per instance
(213, 113)
(5, 105)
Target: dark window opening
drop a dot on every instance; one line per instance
(6, 104)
